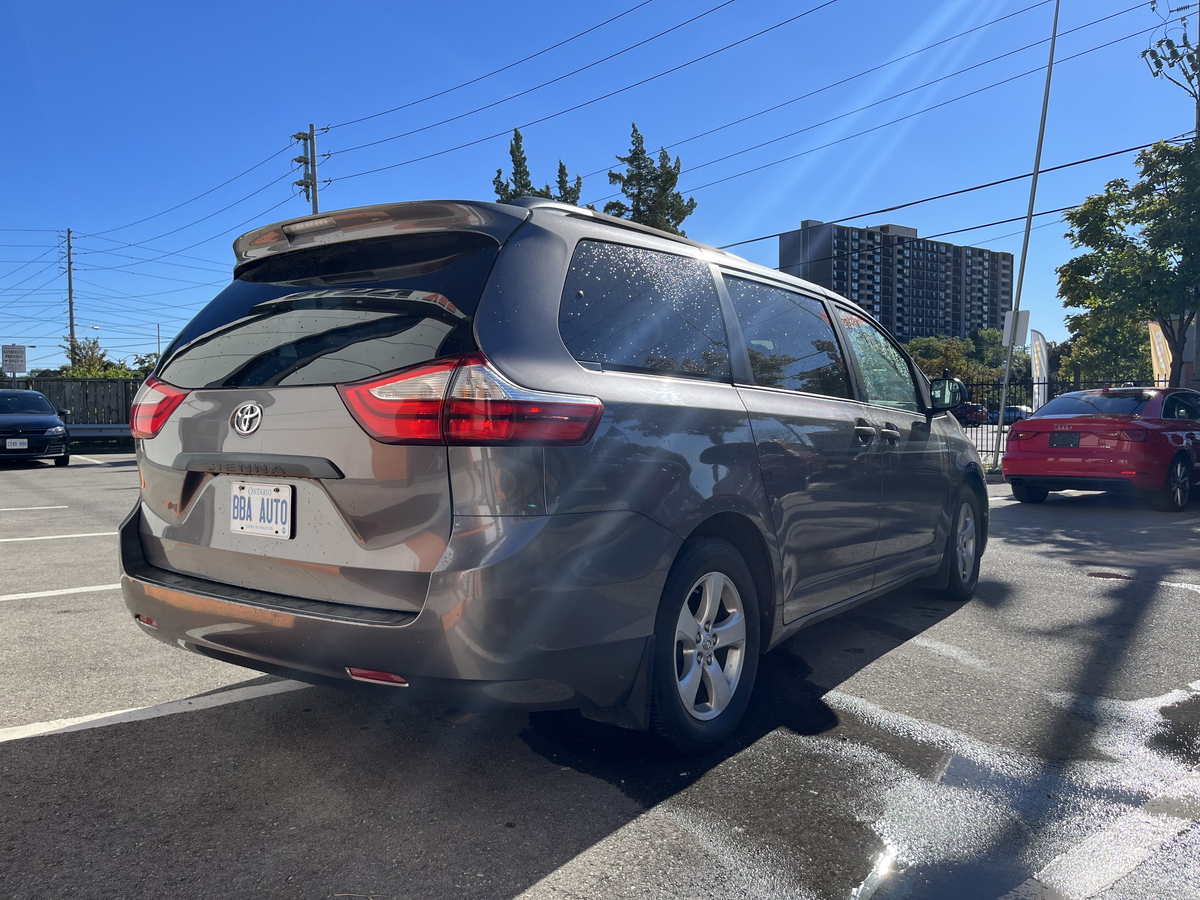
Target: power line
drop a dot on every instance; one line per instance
(141, 259)
(578, 106)
(126, 268)
(198, 196)
(896, 95)
(23, 296)
(538, 87)
(480, 78)
(960, 191)
(899, 119)
(209, 216)
(36, 259)
(143, 245)
(850, 78)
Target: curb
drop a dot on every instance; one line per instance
(995, 478)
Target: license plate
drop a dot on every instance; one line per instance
(261, 508)
(16, 444)
(1069, 440)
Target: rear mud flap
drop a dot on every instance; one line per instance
(634, 714)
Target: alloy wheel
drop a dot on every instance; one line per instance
(1177, 483)
(710, 646)
(964, 542)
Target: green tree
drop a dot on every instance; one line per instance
(87, 359)
(1105, 347)
(650, 191)
(988, 347)
(521, 183)
(1143, 242)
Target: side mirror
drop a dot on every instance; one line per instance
(947, 393)
(63, 411)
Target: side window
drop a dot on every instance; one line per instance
(1180, 406)
(637, 310)
(886, 376)
(791, 341)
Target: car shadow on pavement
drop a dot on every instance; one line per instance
(1125, 617)
(791, 681)
(322, 792)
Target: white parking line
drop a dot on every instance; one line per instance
(139, 714)
(1104, 858)
(55, 537)
(28, 508)
(98, 462)
(31, 595)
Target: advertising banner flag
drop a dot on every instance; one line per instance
(1160, 354)
(1039, 358)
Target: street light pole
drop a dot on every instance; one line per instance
(1037, 165)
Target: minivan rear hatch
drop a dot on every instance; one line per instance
(260, 476)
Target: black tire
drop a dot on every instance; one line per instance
(697, 727)
(62, 461)
(1177, 490)
(964, 548)
(1027, 494)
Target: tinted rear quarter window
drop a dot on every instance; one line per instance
(790, 339)
(337, 314)
(1098, 403)
(635, 310)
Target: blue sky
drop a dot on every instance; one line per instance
(115, 113)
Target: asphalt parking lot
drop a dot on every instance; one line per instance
(1039, 741)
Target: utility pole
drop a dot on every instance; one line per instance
(309, 159)
(1037, 166)
(70, 291)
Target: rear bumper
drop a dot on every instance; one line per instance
(1058, 483)
(514, 617)
(1098, 474)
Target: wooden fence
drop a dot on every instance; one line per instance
(92, 401)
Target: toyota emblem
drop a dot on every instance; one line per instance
(247, 418)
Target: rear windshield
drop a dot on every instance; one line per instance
(1098, 403)
(336, 314)
(14, 404)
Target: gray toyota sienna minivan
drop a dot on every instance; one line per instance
(535, 457)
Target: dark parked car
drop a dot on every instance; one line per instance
(31, 428)
(534, 457)
(1012, 414)
(972, 414)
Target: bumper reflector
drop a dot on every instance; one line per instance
(146, 620)
(374, 677)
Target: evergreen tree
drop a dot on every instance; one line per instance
(521, 184)
(650, 189)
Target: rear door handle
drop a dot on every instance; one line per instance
(890, 433)
(864, 433)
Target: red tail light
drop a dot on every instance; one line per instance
(153, 405)
(1022, 435)
(464, 400)
(1134, 434)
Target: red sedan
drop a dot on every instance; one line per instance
(1143, 439)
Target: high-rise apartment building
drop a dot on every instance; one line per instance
(916, 287)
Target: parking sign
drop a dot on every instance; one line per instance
(13, 359)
